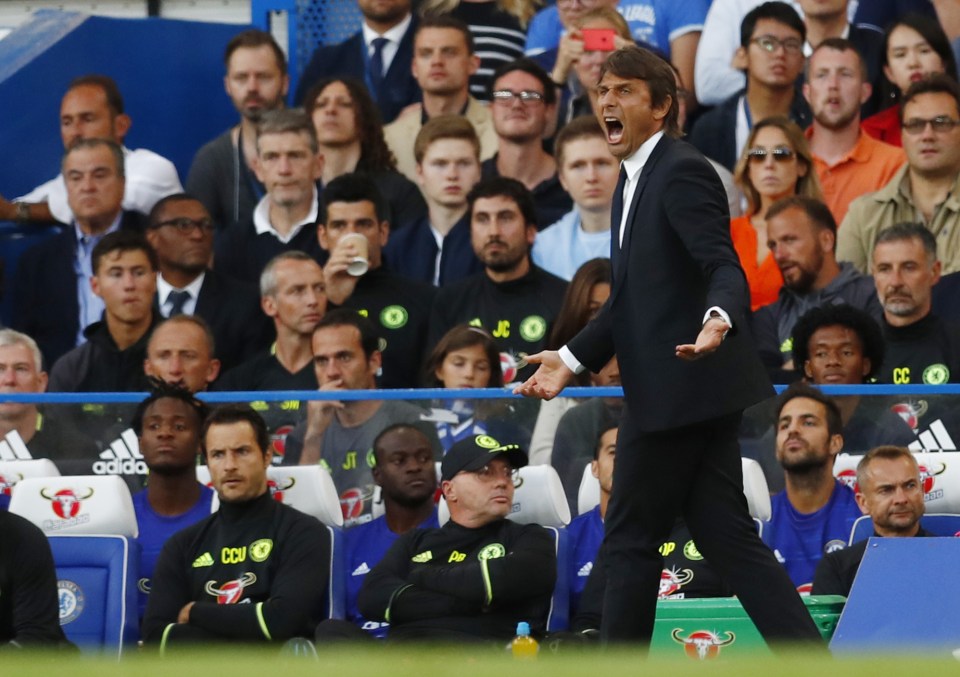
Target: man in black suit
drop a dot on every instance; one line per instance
(52, 298)
(675, 277)
(379, 55)
(180, 230)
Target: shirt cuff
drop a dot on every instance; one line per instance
(573, 364)
(719, 311)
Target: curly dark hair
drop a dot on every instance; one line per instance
(864, 326)
(375, 155)
(161, 390)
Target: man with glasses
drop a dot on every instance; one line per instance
(478, 575)
(771, 55)
(180, 230)
(443, 61)
(926, 188)
(848, 161)
(523, 101)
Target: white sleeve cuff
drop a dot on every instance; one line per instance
(720, 311)
(573, 364)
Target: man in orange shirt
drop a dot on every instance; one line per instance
(848, 162)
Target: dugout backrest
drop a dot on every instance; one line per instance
(12, 472)
(939, 472)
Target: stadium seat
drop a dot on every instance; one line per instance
(310, 490)
(939, 472)
(539, 499)
(12, 472)
(91, 526)
(754, 488)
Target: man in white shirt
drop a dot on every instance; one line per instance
(93, 108)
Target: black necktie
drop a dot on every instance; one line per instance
(177, 299)
(616, 212)
(376, 65)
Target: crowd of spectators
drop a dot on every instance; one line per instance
(438, 207)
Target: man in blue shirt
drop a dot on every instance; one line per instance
(167, 424)
(813, 516)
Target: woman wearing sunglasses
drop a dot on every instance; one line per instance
(776, 163)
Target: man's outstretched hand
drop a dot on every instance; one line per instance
(550, 378)
(710, 338)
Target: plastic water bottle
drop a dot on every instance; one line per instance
(524, 646)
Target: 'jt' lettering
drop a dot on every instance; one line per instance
(502, 330)
(233, 555)
(667, 548)
(901, 375)
(457, 556)
(351, 461)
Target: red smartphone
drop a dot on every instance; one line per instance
(598, 39)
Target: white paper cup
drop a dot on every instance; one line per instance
(360, 263)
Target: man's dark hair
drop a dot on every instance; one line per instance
(910, 231)
(502, 186)
(935, 83)
(237, 413)
(255, 38)
(801, 389)
(348, 317)
(116, 152)
(446, 21)
(607, 423)
(530, 67)
(375, 155)
(124, 240)
(839, 315)
(393, 427)
(838, 45)
(154, 218)
(818, 213)
(353, 187)
(636, 63)
(161, 390)
(780, 12)
(581, 127)
(105, 83)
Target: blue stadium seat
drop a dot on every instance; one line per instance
(937, 524)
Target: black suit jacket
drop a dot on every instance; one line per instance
(45, 304)
(346, 59)
(232, 310)
(677, 260)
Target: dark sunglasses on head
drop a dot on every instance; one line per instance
(780, 154)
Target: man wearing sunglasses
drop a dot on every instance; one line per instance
(926, 188)
(181, 231)
(479, 574)
(771, 55)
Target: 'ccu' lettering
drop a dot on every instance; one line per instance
(901, 375)
(457, 556)
(233, 555)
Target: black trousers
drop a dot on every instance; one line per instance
(694, 471)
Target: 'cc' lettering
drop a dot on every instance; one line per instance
(901, 375)
(233, 555)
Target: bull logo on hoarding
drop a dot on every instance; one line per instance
(278, 486)
(66, 502)
(703, 644)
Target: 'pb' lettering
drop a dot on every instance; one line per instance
(233, 555)
(457, 556)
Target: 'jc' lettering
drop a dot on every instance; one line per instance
(457, 556)
(351, 461)
(502, 330)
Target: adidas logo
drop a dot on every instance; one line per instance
(122, 457)
(585, 569)
(422, 557)
(361, 570)
(934, 438)
(12, 448)
(204, 560)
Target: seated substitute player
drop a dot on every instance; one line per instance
(253, 571)
(479, 574)
(167, 425)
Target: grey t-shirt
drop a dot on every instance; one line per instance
(347, 453)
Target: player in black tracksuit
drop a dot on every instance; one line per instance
(256, 570)
(461, 582)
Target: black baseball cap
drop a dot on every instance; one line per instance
(474, 452)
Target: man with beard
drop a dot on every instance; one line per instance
(221, 175)
(512, 298)
(167, 425)
(802, 236)
(815, 513)
(378, 55)
(848, 161)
